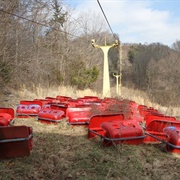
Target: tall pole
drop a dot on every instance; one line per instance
(106, 81)
(120, 74)
(117, 83)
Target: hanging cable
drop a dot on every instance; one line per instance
(106, 18)
(39, 23)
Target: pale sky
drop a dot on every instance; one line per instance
(138, 21)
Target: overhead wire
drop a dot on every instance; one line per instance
(120, 47)
(106, 18)
(45, 25)
(39, 23)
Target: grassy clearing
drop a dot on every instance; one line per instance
(12, 99)
(64, 152)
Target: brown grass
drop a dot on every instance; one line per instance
(64, 152)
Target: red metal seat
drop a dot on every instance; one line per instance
(77, 108)
(50, 115)
(15, 141)
(52, 99)
(173, 139)
(154, 130)
(63, 98)
(144, 110)
(28, 108)
(6, 116)
(95, 122)
(126, 132)
(156, 116)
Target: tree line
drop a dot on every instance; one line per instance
(155, 68)
(43, 43)
(48, 43)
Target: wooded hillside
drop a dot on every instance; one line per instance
(47, 43)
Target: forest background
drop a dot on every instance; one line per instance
(44, 43)
(45, 50)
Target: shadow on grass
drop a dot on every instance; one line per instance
(64, 152)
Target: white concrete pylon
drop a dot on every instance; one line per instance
(117, 83)
(106, 81)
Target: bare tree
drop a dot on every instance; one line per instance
(176, 45)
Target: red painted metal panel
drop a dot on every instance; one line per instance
(8, 111)
(5, 119)
(28, 108)
(76, 108)
(26, 102)
(88, 99)
(118, 132)
(173, 139)
(46, 106)
(144, 110)
(113, 105)
(60, 106)
(24, 110)
(98, 108)
(50, 115)
(74, 103)
(159, 125)
(155, 116)
(6, 116)
(15, 141)
(92, 97)
(155, 132)
(79, 116)
(63, 98)
(52, 100)
(42, 101)
(110, 100)
(96, 121)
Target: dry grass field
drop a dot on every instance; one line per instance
(64, 152)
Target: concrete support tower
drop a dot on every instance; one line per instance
(117, 83)
(120, 74)
(106, 81)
